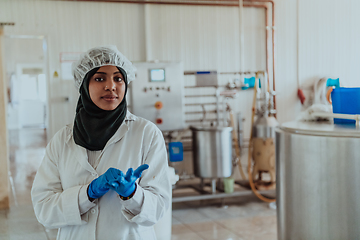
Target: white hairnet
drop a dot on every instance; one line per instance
(98, 57)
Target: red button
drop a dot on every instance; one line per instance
(159, 121)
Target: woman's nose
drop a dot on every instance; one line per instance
(110, 85)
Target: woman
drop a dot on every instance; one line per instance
(86, 185)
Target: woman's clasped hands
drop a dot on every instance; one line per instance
(115, 180)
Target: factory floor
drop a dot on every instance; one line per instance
(243, 218)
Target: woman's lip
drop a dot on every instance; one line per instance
(109, 98)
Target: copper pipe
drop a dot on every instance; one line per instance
(231, 3)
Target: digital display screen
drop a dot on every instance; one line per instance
(157, 75)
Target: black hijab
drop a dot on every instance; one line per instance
(93, 126)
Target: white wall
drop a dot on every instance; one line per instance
(207, 38)
(19, 51)
(313, 39)
(204, 38)
(329, 40)
(288, 105)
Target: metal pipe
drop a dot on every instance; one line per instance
(218, 106)
(224, 113)
(241, 35)
(266, 32)
(198, 197)
(273, 38)
(229, 3)
(202, 112)
(200, 120)
(240, 131)
(241, 73)
(197, 104)
(148, 52)
(204, 86)
(206, 95)
(213, 185)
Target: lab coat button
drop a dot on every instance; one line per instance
(93, 211)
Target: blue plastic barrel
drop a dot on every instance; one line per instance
(346, 101)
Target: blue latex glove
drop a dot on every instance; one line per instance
(99, 186)
(125, 185)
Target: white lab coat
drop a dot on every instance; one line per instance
(59, 189)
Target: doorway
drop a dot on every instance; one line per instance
(26, 79)
(25, 71)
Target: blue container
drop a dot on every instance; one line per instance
(346, 101)
(333, 82)
(176, 152)
(250, 83)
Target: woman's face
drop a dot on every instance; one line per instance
(107, 87)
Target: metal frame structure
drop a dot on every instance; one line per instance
(203, 194)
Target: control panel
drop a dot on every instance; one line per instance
(157, 94)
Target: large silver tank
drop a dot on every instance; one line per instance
(212, 151)
(318, 181)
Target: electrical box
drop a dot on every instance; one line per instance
(206, 78)
(157, 94)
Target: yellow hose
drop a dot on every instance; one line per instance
(251, 181)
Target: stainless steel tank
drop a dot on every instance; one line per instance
(264, 127)
(212, 151)
(318, 181)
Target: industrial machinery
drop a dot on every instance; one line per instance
(318, 181)
(158, 94)
(212, 144)
(262, 146)
(212, 153)
(213, 141)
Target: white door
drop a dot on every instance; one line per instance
(32, 99)
(25, 70)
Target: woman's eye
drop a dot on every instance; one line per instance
(118, 79)
(99, 79)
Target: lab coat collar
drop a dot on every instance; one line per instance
(129, 117)
(80, 152)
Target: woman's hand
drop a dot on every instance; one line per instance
(98, 187)
(125, 185)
